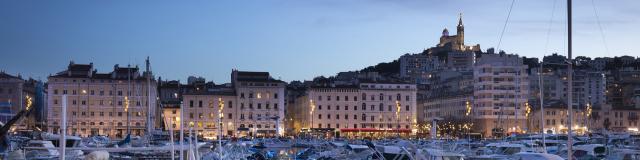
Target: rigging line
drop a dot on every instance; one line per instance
(604, 41)
(546, 44)
(505, 25)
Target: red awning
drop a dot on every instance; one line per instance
(374, 130)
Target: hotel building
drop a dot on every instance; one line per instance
(366, 109)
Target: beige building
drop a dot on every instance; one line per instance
(454, 106)
(98, 103)
(366, 109)
(501, 90)
(584, 119)
(253, 105)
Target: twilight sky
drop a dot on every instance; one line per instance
(292, 39)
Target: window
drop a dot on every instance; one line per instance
(380, 108)
(407, 98)
(364, 106)
(275, 96)
(267, 106)
(230, 104)
(364, 96)
(406, 108)
(328, 107)
(355, 108)
(381, 96)
(398, 97)
(229, 116)
(191, 103)
(337, 116)
(346, 98)
(259, 105)
(275, 106)
(364, 117)
(337, 98)
(241, 105)
(241, 95)
(337, 107)
(319, 107)
(328, 116)
(54, 91)
(319, 116)
(355, 98)
(200, 103)
(319, 98)
(328, 98)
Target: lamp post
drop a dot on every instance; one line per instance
(398, 106)
(126, 110)
(220, 115)
(312, 105)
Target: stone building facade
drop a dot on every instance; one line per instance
(98, 103)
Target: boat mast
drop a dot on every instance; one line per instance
(570, 84)
(149, 110)
(540, 85)
(127, 99)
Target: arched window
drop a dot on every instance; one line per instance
(381, 96)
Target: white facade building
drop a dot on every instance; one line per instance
(501, 91)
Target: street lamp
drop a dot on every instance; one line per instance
(313, 107)
(398, 116)
(126, 109)
(220, 115)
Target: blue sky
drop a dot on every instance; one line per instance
(292, 39)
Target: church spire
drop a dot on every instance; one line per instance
(460, 20)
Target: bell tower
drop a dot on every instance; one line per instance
(460, 35)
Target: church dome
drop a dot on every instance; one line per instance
(445, 32)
